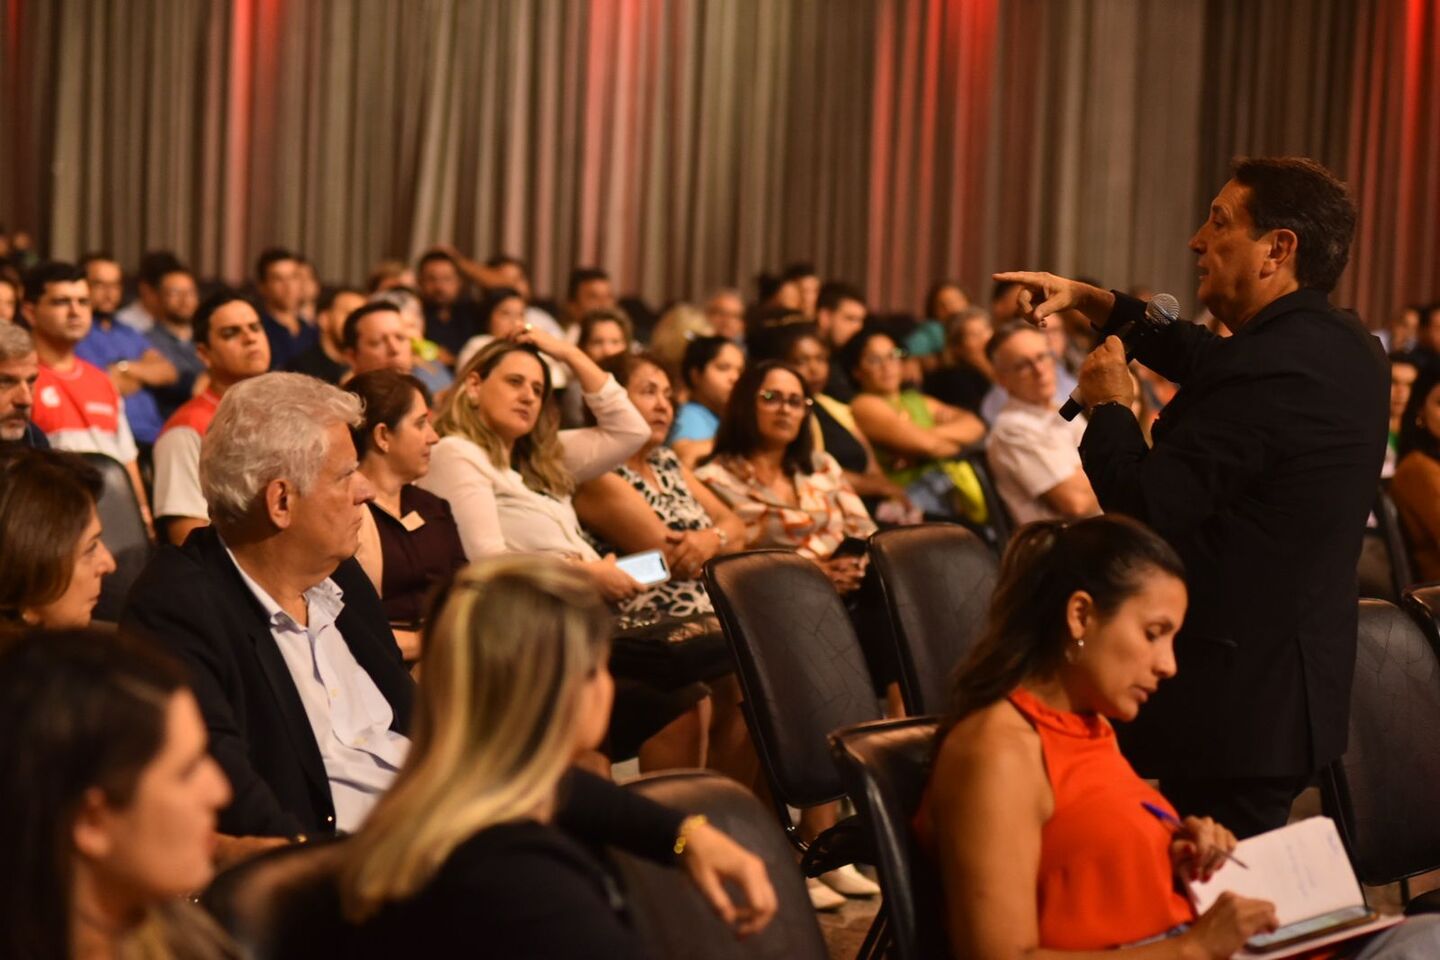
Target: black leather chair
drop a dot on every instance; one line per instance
(123, 532)
(884, 766)
(1382, 792)
(803, 675)
(283, 904)
(936, 579)
(675, 920)
(999, 526)
(1397, 548)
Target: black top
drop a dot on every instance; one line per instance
(415, 559)
(317, 363)
(192, 600)
(839, 385)
(462, 324)
(840, 443)
(1263, 472)
(960, 386)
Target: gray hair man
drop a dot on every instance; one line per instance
(19, 369)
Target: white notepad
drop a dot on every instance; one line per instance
(1302, 868)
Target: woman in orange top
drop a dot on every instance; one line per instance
(1033, 815)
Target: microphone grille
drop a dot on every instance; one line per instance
(1162, 309)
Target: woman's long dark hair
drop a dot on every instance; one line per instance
(79, 709)
(739, 432)
(1046, 563)
(1413, 436)
(46, 497)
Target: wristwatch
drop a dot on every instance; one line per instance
(724, 537)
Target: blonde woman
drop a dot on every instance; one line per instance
(474, 850)
(509, 471)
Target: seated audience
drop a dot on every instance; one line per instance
(589, 288)
(501, 314)
(304, 693)
(374, 337)
(509, 472)
(134, 366)
(916, 437)
(836, 433)
(281, 286)
(450, 317)
(144, 311)
(426, 365)
(107, 803)
(926, 343)
(709, 369)
(839, 316)
(1034, 454)
(1415, 488)
(1399, 334)
(725, 312)
(483, 813)
(408, 542)
(388, 274)
(653, 502)
(767, 470)
(1426, 348)
(1403, 374)
(603, 333)
(962, 375)
(232, 344)
(173, 337)
(679, 325)
(19, 373)
(326, 359)
(52, 560)
(1034, 816)
(9, 294)
(76, 405)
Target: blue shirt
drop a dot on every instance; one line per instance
(285, 346)
(107, 344)
(695, 421)
(187, 363)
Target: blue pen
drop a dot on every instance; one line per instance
(1167, 818)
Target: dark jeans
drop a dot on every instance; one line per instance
(1245, 806)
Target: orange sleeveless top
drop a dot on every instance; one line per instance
(1105, 877)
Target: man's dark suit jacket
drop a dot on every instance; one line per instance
(1263, 471)
(192, 599)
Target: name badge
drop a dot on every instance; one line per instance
(412, 521)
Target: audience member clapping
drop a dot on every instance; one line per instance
(1415, 488)
(509, 472)
(766, 468)
(107, 803)
(483, 845)
(710, 367)
(52, 560)
(916, 437)
(408, 542)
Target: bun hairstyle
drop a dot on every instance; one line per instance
(1046, 563)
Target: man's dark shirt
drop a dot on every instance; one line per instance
(317, 363)
(452, 334)
(284, 345)
(960, 386)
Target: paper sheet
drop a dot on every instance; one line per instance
(1301, 868)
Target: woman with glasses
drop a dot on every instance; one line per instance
(916, 437)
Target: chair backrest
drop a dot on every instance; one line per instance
(884, 766)
(1382, 791)
(937, 579)
(123, 532)
(1402, 574)
(283, 904)
(799, 664)
(671, 915)
(999, 525)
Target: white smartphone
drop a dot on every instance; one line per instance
(649, 568)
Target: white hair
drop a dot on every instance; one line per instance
(267, 428)
(15, 342)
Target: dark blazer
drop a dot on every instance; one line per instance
(1263, 471)
(192, 599)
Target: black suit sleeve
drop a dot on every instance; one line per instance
(1174, 352)
(1202, 465)
(175, 614)
(598, 813)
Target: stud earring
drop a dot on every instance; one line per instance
(1073, 651)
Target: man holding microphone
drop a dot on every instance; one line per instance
(1263, 470)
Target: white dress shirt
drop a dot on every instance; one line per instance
(348, 714)
(1032, 449)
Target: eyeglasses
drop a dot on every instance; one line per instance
(774, 398)
(1031, 364)
(880, 359)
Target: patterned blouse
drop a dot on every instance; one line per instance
(827, 511)
(677, 507)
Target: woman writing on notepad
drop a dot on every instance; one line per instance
(1040, 828)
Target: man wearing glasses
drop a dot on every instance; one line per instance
(1034, 453)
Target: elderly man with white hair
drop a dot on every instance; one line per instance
(303, 690)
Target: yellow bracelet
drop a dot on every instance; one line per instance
(688, 826)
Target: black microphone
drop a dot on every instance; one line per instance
(1160, 312)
